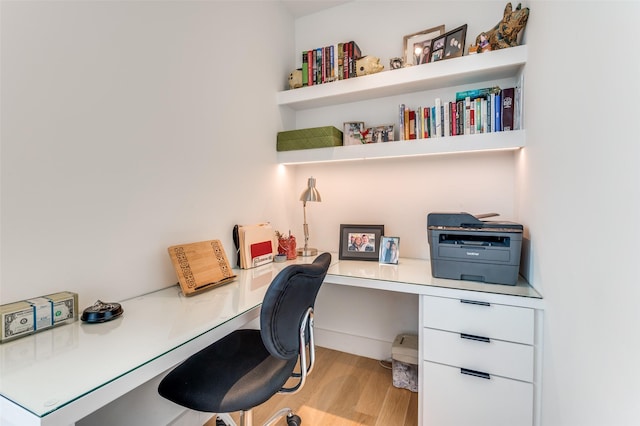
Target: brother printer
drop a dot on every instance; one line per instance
(463, 247)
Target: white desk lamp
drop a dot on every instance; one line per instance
(309, 194)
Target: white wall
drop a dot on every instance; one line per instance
(580, 200)
(398, 193)
(575, 187)
(131, 126)
(123, 124)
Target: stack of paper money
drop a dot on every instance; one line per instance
(22, 318)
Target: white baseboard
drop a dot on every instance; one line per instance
(191, 418)
(357, 345)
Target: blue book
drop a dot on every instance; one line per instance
(433, 122)
(477, 93)
(497, 105)
(401, 127)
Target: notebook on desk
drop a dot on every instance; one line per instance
(201, 266)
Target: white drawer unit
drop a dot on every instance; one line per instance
(479, 318)
(491, 356)
(455, 398)
(478, 363)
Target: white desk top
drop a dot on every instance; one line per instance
(46, 372)
(63, 374)
(414, 276)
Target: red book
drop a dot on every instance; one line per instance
(347, 60)
(412, 124)
(310, 67)
(426, 121)
(472, 121)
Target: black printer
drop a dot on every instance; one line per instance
(464, 247)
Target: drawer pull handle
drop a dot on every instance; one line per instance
(476, 338)
(475, 373)
(475, 302)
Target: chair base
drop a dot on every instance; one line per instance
(246, 418)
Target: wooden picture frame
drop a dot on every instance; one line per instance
(449, 45)
(360, 242)
(420, 40)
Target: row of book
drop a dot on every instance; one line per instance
(483, 110)
(330, 63)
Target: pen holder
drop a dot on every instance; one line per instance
(287, 246)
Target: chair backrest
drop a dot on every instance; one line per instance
(291, 293)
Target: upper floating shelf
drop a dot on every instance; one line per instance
(468, 69)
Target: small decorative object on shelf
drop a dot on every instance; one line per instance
(368, 65)
(396, 63)
(384, 133)
(417, 46)
(355, 133)
(506, 33)
(315, 137)
(295, 79)
(352, 133)
(449, 45)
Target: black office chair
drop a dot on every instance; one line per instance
(247, 367)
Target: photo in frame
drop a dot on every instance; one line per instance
(417, 46)
(360, 242)
(390, 250)
(352, 133)
(384, 133)
(449, 45)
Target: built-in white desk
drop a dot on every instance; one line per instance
(59, 376)
(414, 276)
(480, 345)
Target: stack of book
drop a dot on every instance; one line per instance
(330, 63)
(485, 110)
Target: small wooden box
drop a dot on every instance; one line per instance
(316, 137)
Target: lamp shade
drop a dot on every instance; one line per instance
(311, 193)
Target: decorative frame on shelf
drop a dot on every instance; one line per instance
(389, 254)
(384, 133)
(422, 41)
(352, 133)
(449, 45)
(352, 246)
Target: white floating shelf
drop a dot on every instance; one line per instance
(468, 69)
(420, 147)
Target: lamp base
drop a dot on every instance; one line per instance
(307, 251)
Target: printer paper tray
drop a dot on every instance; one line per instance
(478, 254)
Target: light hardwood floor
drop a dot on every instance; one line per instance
(344, 390)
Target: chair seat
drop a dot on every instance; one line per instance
(233, 374)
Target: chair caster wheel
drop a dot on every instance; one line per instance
(294, 420)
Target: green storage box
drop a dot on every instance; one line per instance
(317, 137)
